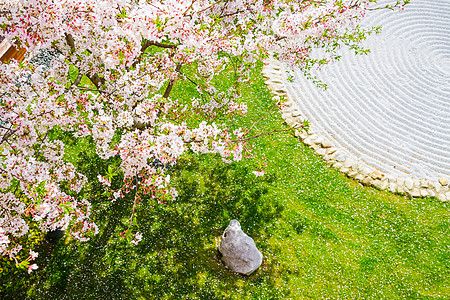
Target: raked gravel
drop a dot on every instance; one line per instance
(385, 117)
(390, 108)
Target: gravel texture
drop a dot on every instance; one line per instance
(389, 109)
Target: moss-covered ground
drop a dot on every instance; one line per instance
(322, 235)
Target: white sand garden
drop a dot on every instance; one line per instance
(389, 109)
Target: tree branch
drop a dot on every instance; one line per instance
(172, 82)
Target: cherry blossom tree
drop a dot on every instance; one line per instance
(114, 63)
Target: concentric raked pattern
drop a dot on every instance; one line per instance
(390, 108)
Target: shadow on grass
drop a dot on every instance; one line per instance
(178, 257)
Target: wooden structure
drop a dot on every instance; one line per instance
(8, 51)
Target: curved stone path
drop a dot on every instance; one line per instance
(387, 111)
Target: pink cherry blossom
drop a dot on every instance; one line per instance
(133, 52)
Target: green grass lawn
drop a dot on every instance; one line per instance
(322, 235)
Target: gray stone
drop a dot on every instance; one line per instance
(384, 184)
(443, 181)
(239, 252)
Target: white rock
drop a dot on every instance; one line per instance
(391, 178)
(424, 192)
(313, 136)
(376, 174)
(431, 193)
(239, 252)
(296, 113)
(315, 147)
(348, 163)
(308, 141)
(367, 181)
(341, 158)
(415, 192)
(319, 140)
(286, 115)
(393, 187)
(400, 189)
(377, 183)
(352, 174)
(337, 165)
(447, 195)
(400, 181)
(365, 171)
(326, 144)
(437, 187)
(384, 184)
(334, 155)
(424, 184)
(321, 151)
(359, 177)
(331, 150)
(441, 197)
(291, 121)
(409, 183)
(345, 170)
(443, 181)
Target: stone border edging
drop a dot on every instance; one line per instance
(352, 167)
